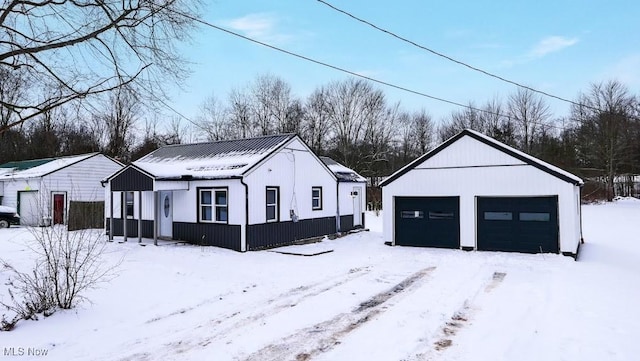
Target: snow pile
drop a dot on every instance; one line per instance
(362, 301)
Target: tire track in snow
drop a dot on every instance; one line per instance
(309, 342)
(234, 320)
(457, 321)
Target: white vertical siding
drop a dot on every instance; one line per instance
(454, 173)
(295, 170)
(346, 200)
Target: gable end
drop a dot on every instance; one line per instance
(483, 140)
(131, 179)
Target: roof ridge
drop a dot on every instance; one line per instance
(231, 140)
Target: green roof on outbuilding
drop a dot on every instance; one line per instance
(26, 164)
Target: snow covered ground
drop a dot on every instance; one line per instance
(362, 301)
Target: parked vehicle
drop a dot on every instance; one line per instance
(8, 216)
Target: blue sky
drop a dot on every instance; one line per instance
(557, 46)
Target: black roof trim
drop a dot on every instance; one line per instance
(496, 145)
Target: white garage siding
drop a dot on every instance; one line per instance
(78, 177)
(469, 168)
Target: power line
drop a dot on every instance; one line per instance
(343, 70)
(390, 33)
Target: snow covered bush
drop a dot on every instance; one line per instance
(67, 264)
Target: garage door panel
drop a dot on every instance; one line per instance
(518, 224)
(427, 221)
(29, 208)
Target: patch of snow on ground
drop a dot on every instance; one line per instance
(363, 301)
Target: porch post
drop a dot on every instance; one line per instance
(139, 216)
(155, 218)
(111, 215)
(124, 216)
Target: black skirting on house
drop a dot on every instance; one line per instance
(346, 223)
(208, 234)
(132, 227)
(267, 235)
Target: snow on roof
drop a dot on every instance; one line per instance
(43, 169)
(343, 173)
(222, 159)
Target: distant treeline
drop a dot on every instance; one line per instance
(351, 121)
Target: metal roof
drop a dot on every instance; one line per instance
(26, 164)
(343, 173)
(219, 148)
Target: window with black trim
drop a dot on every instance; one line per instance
(316, 198)
(498, 216)
(535, 216)
(272, 204)
(438, 215)
(213, 205)
(128, 204)
(412, 214)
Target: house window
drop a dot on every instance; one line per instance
(272, 204)
(316, 198)
(213, 205)
(128, 204)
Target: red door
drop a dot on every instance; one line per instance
(58, 209)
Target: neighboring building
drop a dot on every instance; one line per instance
(244, 194)
(473, 192)
(42, 189)
(352, 189)
(627, 185)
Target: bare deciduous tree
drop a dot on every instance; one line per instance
(603, 118)
(240, 114)
(530, 115)
(84, 48)
(315, 124)
(214, 120)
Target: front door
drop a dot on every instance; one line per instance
(58, 208)
(356, 194)
(165, 215)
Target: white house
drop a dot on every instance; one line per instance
(352, 199)
(244, 194)
(42, 189)
(475, 193)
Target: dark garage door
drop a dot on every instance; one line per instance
(522, 224)
(428, 221)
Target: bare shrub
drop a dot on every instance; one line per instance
(67, 265)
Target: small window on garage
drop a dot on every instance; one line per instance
(535, 217)
(440, 215)
(498, 216)
(412, 214)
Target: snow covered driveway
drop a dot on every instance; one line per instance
(363, 301)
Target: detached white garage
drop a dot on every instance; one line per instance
(475, 193)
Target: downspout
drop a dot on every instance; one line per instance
(338, 226)
(580, 205)
(245, 227)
